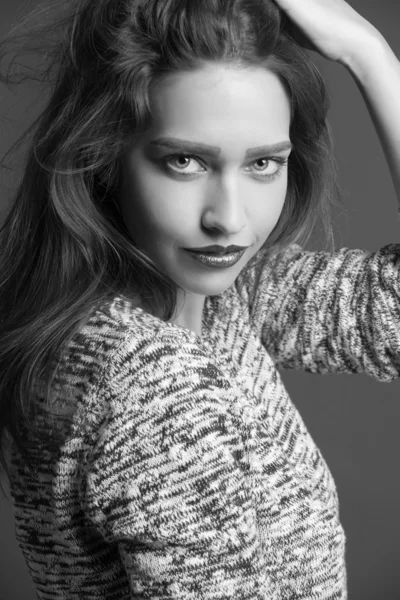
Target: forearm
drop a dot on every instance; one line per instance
(376, 71)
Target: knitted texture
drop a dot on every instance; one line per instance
(185, 471)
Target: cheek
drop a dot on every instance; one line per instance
(155, 206)
(270, 204)
(168, 202)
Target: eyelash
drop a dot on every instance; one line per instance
(280, 160)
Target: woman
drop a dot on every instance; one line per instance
(176, 465)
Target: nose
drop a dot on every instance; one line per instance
(224, 205)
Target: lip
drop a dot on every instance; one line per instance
(217, 261)
(218, 250)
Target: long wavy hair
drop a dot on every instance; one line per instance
(64, 249)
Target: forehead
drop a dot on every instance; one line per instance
(220, 102)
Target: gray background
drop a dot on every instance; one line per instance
(353, 419)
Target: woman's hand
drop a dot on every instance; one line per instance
(331, 27)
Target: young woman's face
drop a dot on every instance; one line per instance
(231, 190)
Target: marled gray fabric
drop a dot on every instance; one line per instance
(186, 472)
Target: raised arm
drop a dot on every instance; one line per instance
(338, 312)
(335, 30)
(329, 312)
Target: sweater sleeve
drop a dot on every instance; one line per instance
(165, 481)
(329, 312)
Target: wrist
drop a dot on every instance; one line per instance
(369, 57)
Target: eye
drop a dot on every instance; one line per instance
(184, 165)
(179, 163)
(269, 168)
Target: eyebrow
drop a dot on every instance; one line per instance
(214, 151)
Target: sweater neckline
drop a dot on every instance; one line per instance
(208, 318)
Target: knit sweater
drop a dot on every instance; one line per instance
(185, 471)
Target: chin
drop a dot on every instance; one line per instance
(212, 288)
